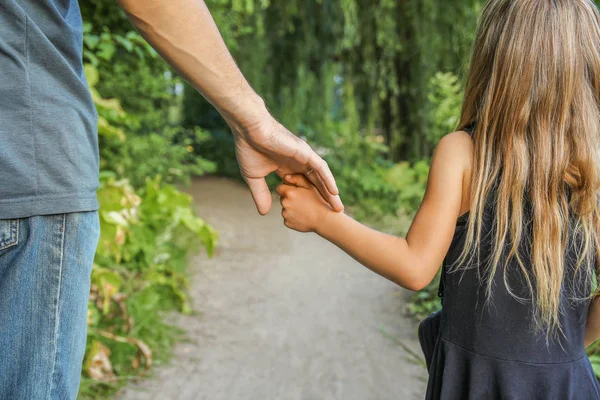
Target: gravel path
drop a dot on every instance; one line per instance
(284, 316)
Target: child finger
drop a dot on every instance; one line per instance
(298, 180)
(282, 189)
(334, 200)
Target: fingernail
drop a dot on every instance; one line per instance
(288, 176)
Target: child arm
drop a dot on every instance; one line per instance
(411, 262)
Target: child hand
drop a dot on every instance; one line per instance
(304, 209)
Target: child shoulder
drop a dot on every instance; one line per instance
(459, 140)
(455, 145)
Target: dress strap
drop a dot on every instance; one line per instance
(441, 287)
(470, 129)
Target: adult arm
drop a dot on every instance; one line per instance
(184, 33)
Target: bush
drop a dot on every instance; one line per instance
(410, 181)
(170, 154)
(148, 229)
(445, 94)
(130, 70)
(219, 148)
(369, 183)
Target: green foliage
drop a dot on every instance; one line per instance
(138, 275)
(220, 150)
(148, 229)
(445, 94)
(170, 154)
(595, 361)
(410, 181)
(386, 54)
(372, 185)
(360, 80)
(128, 68)
(360, 168)
(426, 301)
(101, 48)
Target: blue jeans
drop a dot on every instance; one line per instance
(45, 267)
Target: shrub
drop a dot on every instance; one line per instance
(148, 229)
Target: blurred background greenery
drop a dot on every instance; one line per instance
(372, 85)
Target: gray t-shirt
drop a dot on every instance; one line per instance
(48, 122)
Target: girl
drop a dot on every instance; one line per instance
(511, 205)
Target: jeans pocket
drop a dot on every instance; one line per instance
(9, 233)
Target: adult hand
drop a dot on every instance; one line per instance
(269, 147)
(185, 34)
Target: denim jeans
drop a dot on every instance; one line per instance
(45, 267)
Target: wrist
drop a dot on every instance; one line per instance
(326, 221)
(249, 117)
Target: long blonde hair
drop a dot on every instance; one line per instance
(533, 95)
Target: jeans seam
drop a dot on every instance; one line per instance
(13, 227)
(57, 311)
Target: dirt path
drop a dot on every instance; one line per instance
(283, 316)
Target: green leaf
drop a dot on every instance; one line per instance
(115, 218)
(91, 74)
(595, 361)
(106, 50)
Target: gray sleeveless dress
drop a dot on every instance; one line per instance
(489, 352)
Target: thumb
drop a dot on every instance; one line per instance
(298, 180)
(261, 194)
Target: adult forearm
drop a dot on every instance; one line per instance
(386, 255)
(184, 33)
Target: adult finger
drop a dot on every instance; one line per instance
(321, 167)
(298, 180)
(260, 194)
(305, 155)
(334, 200)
